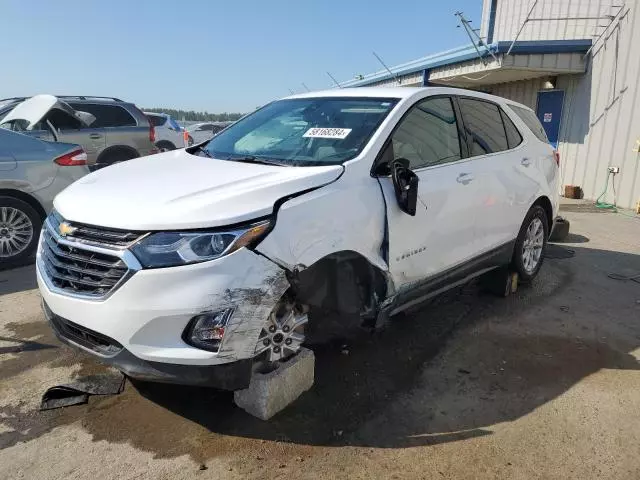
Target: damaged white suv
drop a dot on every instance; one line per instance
(193, 265)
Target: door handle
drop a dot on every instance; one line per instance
(525, 162)
(465, 178)
(95, 136)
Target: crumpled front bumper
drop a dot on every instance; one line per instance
(227, 376)
(148, 313)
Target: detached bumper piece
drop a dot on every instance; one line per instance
(228, 376)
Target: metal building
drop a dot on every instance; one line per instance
(575, 62)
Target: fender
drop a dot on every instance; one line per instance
(345, 215)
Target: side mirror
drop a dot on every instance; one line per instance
(405, 184)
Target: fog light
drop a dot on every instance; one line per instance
(206, 330)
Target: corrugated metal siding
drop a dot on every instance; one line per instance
(409, 80)
(510, 15)
(484, 23)
(601, 113)
(525, 92)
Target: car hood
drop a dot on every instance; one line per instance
(176, 190)
(35, 108)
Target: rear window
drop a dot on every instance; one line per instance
(157, 120)
(513, 134)
(531, 121)
(484, 127)
(107, 115)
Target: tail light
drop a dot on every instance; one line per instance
(72, 159)
(556, 155)
(152, 133)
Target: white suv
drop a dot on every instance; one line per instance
(362, 201)
(169, 135)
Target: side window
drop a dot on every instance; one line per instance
(156, 120)
(531, 120)
(483, 124)
(513, 135)
(63, 121)
(428, 135)
(107, 115)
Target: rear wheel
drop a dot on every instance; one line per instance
(116, 156)
(165, 146)
(531, 243)
(19, 228)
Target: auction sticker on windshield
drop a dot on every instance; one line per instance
(339, 133)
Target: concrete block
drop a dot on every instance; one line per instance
(271, 392)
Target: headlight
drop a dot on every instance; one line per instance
(168, 249)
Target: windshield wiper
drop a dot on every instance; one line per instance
(204, 150)
(253, 159)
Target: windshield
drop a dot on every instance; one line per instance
(305, 131)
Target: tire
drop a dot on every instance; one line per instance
(529, 250)
(18, 216)
(117, 156)
(165, 146)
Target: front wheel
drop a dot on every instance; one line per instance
(531, 243)
(283, 334)
(20, 225)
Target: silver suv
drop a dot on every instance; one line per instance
(109, 129)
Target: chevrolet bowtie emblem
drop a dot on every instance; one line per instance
(65, 229)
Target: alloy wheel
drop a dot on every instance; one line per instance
(16, 232)
(283, 334)
(532, 246)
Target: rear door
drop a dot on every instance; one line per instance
(441, 234)
(115, 126)
(499, 156)
(70, 129)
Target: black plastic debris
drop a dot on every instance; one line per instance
(78, 391)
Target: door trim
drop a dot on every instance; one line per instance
(441, 282)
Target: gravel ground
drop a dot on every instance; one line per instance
(543, 384)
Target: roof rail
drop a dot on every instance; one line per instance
(12, 98)
(89, 97)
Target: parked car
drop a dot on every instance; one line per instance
(32, 172)
(169, 135)
(362, 201)
(109, 130)
(201, 132)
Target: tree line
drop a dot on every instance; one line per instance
(190, 115)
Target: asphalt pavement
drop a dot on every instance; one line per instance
(542, 384)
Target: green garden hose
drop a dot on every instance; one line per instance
(612, 206)
(609, 206)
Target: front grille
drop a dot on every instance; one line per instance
(73, 267)
(83, 336)
(96, 235)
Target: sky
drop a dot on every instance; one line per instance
(216, 56)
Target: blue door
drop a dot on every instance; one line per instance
(550, 112)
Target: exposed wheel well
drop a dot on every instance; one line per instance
(545, 203)
(344, 282)
(119, 151)
(25, 197)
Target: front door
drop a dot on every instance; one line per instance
(549, 113)
(441, 233)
